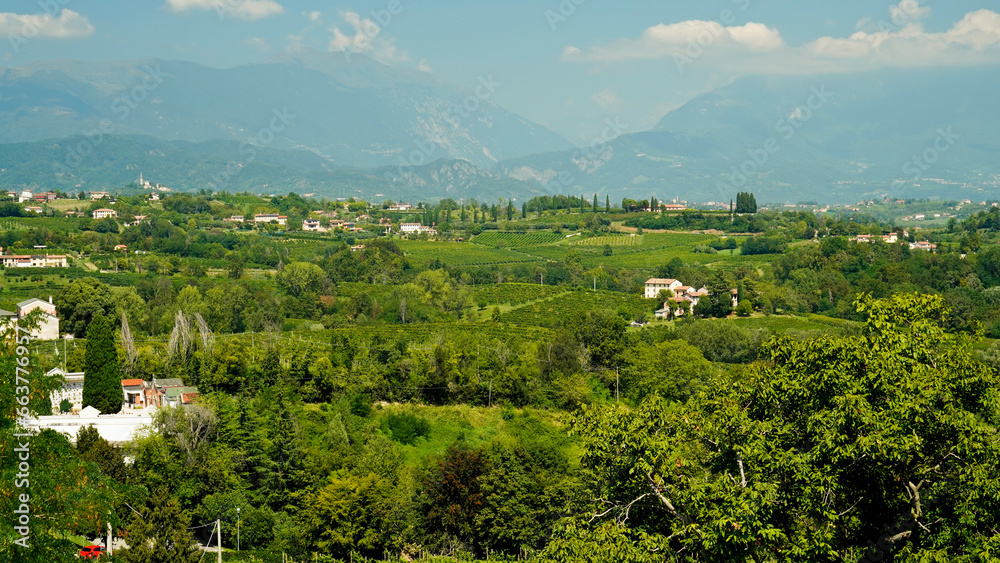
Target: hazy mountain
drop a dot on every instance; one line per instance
(353, 112)
(218, 165)
(831, 138)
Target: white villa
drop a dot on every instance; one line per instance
(655, 285)
(71, 391)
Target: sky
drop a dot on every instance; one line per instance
(571, 65)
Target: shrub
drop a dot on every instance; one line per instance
(405, 428)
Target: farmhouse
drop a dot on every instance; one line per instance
(104, 213)
(34, 261)
(655, 285)
(417, 228)
(270, 217)
(48, 324)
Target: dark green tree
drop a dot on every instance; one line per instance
(160, 535)
(102, 388)
(607, 204)
(82, 300)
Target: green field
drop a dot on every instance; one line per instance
(609, 240)
(512, 240)
(422, 253)
(515, 293)
(557, 310)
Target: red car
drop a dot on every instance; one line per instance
(92, 552)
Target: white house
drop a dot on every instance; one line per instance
(26, 195)
(72, 390)
(34, 261)
(48, 327)
(104, 213)
(655, 285)
(269, 217)
(312, 225)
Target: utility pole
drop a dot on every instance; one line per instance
(237, 528)
(218, 524)
(109, 536)
(616, 384)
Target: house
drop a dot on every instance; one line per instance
(673, 207)
(409, 227)
(34, 261)
(138, 219)
(160, 387)
(34, 209)
(138, 394)
(46, 197)
(104, 213)
(121, 248)
(270, 217)
(923, 245)
(312, 225)
(115, 428)
(94, 196)
(890, 238)
(655, 285)
(178, 396)
(400, 207)
(48, 324)
(72, 389)
(26, 195)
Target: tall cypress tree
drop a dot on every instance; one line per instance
(102, 383)
(607, 203)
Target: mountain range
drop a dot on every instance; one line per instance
(330, 125)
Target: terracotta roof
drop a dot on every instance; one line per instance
(131, 382)
(189, 397)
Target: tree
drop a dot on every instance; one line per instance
(160, 534)
(102, 388)
(602, 332)
(834, 448)
(299, 277)
(93, 447)
(81, 301)
(607, 204)
(453, 496)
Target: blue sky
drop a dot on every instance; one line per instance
(568, 64)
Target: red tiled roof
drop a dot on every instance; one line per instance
(189, 397)
(131, 382)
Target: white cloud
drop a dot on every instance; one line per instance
(248, 10)
(68, 25)
(974, 39)
(897, 39)
(313, 16)
(424, 66)
(367, 38)
(257, 44)
(665, 40)
(606, 98)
